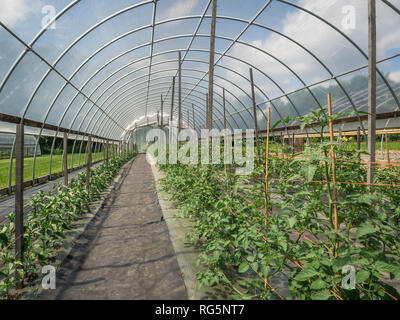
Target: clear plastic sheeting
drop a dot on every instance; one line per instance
(101, 66)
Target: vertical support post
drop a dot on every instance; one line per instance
(162, 112)
(293, 138)
(180, 93)
(224, 106)
(211, 64)
(371, 89)
(387, 149)
(382, 153)
(254, 113)
(107, 153)
(266, 171)
(194, 122)
(358, 139)
(19, 198)
(334, 196)
(207, 112)
(339, 139)
(65, 159)
(89, 161)
(158, 118)
(172, 99)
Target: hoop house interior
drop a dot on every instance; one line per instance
(101, 67)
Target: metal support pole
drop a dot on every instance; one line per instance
(266, 170)
(89, 161)
(358, 139)
(65, 159)
(387, 148)
(211, 64)
(207, 112)
(162, 111)
(224, 106)
(19, 198)
(194, 122)
(107, 153)
(339, 139)
(172, 99)
(180, 92)
(253, 96)
(371, 89)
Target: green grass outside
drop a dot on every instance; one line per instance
(41, 166)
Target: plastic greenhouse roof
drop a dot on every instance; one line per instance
(100, 66)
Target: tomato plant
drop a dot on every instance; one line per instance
(301, 239)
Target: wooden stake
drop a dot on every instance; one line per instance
(358, 139)
(334, 198)
(19, 198)
(211, 64)
(254, 113)
(371, 89)
(180, 93)
(65, 159)
(266, 171)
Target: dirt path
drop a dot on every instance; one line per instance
(126, 252)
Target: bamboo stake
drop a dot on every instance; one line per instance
(254, 113)
(334, 200)
(266, 170)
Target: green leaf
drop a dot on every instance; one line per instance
(318, 284)
(366, 228)
(384, 266)
(254, 266)
(321, 295)
(292, 221)
(306, 274)
(362, 276)
(275, 125)
(244, 266)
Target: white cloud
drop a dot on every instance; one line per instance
(14, 11)
(327, 44)
(395, 76)
(180, 8)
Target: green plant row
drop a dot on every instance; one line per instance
(53, 213)
(300, 239)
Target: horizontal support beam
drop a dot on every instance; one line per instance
(37, 124)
